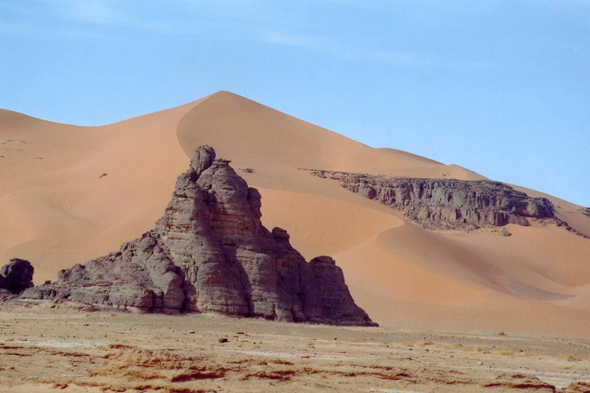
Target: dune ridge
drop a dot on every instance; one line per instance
(61, 209)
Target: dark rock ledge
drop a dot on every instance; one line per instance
(449, 204)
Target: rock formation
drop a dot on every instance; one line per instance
(16, 276)
(210, 253)
(447, 203)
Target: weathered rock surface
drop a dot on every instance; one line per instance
(210, 253)
(16, 276)
(447, 203)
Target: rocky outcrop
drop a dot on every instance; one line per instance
(447, 203)
(210, 253)
(139, 276)
(16, 276)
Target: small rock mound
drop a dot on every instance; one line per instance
(16, 276)
(211, 253)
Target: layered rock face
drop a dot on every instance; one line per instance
(448, 203)
(16, 276)
(210, 253)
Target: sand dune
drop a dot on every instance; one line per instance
(59, 209)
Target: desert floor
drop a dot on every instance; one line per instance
(46, 347)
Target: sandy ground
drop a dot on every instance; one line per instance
(70, 194)
(71, 348)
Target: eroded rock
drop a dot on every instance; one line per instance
(447, 203)
(211, 253)
(16, 276)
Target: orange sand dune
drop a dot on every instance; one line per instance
(59, 209)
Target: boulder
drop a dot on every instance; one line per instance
(16, 276)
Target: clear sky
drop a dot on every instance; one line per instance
(501, 87)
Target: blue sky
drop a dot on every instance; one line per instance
(501, 87)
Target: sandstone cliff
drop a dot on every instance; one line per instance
(210, 253)
(448, 203)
